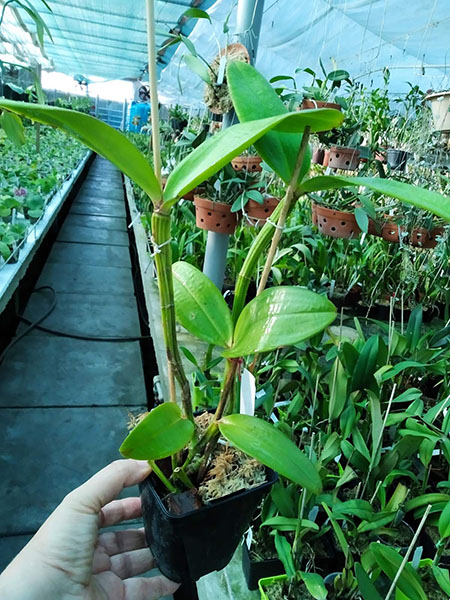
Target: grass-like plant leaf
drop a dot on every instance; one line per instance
(389, 560)
(161, 433)
(280, 316)
(200, 307)
(97, 136)
(272, 448)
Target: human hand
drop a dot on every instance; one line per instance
(67, 558)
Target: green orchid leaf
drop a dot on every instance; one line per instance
(338, 387)
(289, 524)
(284, 551)
(200, 307)
(196, 13)
(442, 578)
(13, 128)
(272, 448)
(97, 136)
(198, 67)
(365, 584)
(218, 150)
(410, 194)
(162, 433)
(389, 560)
(338, 532)
(315, 585)
(444, 523)
(254, 98)
(280, 316)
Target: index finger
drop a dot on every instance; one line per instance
(106, 485)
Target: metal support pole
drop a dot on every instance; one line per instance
(248, 27)
(123, 125)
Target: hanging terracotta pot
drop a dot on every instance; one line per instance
(336, 223)
(214, 216)
(318, 155)
(309, 104)
(391, 232)
(426, 238)
(258, 213)
(326, 158)
(343, 158)
(251, 164)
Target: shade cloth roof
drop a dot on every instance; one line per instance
(107, 38)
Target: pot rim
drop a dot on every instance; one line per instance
(271, 478)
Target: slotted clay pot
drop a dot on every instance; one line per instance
(343, 158)
(251, 164)
(326, 158)
(258, 213)
(424, 238)
(336, 223)
(308, 104)
(391, 232)
(214, 216)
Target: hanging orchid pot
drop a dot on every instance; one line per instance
(426, 238)
(343, 158)
(440, 108)
(251, 164)
(257, 213)
(309, 103)
(217, 97)
(335, 223)
(391, 232)
(214, 216)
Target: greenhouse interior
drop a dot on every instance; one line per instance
(224, 299)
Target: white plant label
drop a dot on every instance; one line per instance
(248, 392)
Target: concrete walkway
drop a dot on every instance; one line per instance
(64, 402)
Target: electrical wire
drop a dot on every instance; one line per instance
(37, 325)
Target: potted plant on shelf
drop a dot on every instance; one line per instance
(265, 323)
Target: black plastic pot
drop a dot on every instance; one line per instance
(429, 550)
(254, 570)
(188, 546)
(397, 159)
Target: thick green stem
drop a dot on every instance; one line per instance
(227, 388)
(163, 262)
(288, 201)
(180, 474)
(157, 471)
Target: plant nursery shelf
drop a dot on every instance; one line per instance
(12, 273)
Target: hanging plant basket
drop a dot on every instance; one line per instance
(326, 158)
(440, 109)
(214, 216)
(335, 223)
(251, 164)
(397, 159)
(257, 214)
(309, 104)
(190, 545)
(424, 238)
(217, 97)
(343, 158)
